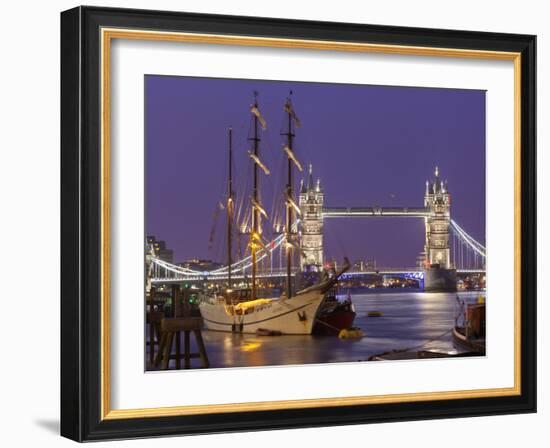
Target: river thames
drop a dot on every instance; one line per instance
(410, 320)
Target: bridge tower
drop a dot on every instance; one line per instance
(438, 201)
(440, 275)
(311, 224)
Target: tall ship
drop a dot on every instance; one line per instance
(246, 310)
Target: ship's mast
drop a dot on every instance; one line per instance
(289, 196)
(230, 208)
(256, 199)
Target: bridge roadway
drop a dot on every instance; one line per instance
(348, 212)
(276, 273)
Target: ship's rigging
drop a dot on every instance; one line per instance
(249, 221)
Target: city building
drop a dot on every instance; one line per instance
(159, 249)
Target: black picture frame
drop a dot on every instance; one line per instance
(81, 224)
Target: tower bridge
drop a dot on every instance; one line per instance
(440, 263)
(440, 273)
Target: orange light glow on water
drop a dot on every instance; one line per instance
(250, 346)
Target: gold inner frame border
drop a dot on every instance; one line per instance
(107, 35)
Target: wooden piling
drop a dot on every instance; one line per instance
(172, 328)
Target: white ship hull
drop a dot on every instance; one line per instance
(294, 316)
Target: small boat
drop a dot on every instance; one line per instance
(334, 316)
(397, 355)
(468, 343)
(375, 314)
(469, 328)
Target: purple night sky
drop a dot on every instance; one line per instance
(370, 145)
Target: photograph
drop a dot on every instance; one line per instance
(294, 223)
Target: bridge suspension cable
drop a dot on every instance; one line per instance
(236, 267)
(477, 247)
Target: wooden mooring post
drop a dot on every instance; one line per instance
(172, 327)
(153, 319)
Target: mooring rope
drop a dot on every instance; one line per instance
(416, 347)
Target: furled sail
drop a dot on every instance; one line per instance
(292, 157)
(293, 204)
(258, 207)
(289, 110)
(255, 111)
(258, 162)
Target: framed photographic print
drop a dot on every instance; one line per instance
(275, 224)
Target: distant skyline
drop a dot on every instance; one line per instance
(369, 145)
